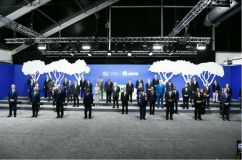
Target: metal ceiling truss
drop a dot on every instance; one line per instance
(198, 40)
(201, 5)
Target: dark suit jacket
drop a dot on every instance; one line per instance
(13, 95)
(197, 98)
(88, 99)
(125, 98)
(50, 85)
(35, 99)
(229, 91)
(69, 87)
(167, 97)
(195, 86)
(167, 86)
(176, 95)
(31, 86)
(219, 96)
(184, 92)
(59, 97)
(116, 93)
(39, 90)
(152, 98)
(75, 91)
(46, 83)
(223, 98)
(82, 84)
(108, 88)
(89, 86)
(131, 88)
(147, 86)
(189, 87)
(215, 88)
(65, 84)
(155, 82)
(137, 83)
(207, 91)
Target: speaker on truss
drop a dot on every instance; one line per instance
(182, 42)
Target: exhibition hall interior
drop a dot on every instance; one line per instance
(120, 79)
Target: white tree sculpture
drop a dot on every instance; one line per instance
(79, 68)
(208, 71)
(33, 68)
(163, 68)
(187, 69)
(58, 69)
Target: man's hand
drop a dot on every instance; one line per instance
(78, 95)
(50, 88)
(38, 103)
(192, 91)
(28, 90)
(66, 91)
(30, 103)
(44, 86)
(63, 102)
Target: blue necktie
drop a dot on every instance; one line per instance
(12, 91)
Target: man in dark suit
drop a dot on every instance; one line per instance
(65, 83)
(69, 90)
(176, 99)
(89, 85)
(142, 103)
(148, 86)
(124, 100)
(50, 86)
(35, 101)
(225, 100)
(198, 99)
(59, 99)
(82, 86)
(108, 90)
(130, 90)
(219, 100)
(29, 80)
(189, 86)
(216, 89)
(46, 85)
(207, 90)
(88, 102)
(170, 98)
(12, 100)
(115, 90)
(75, 92)
(38, 88)
(152, 99)
(229, 90)
(155, 81)
(185, 95)
(31, 86)
(195, 85)
(169, 84)
(138, 82)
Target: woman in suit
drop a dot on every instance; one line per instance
(96, 95)
(138, 91)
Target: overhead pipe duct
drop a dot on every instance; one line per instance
(218, 14)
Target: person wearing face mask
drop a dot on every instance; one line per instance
(35, 101)
(12, 100)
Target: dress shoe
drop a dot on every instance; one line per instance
(113, 107)
(85, 118)
(131, 102)
(127, 113)
(171, 118)
(200, 118)
(223, 119)
(106, 102)
(122, 113)
(33, 116)
(61, 117)
(73, 106)
(144, 119)
(9, 116)
(177, 113)
(166, 118)
(15, 116)
(140, 118)
(58, 117)
(118, 107)
(187, 108)
(183, 108)
(208, 108)
(153, 113)
(158, 107)
(150, 113)
(77, 105)
(195, 118)
(90, 117)
(228, 119)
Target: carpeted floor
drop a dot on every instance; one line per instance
(113, 135)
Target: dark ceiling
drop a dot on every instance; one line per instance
(125, 21)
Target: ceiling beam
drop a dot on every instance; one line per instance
(69, 22)
(26, 9)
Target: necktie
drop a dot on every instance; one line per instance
(198, 94)
(108, 83)
(75, 86)
(12, 91)
(226, 95)
(34, 93)
(124, 93)
(152, 93)
(170, 94)
(207, 88)
(130, 85)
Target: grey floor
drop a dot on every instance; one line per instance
(113, 135)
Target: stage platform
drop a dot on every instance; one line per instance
(107, 107)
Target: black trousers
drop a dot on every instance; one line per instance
(82, 93)
(12, 107)
(126, 106)
(175, 110)
(169, 109)
(152, 107)
(198, 110)
(108, 96)
(68, 96)
(207, 99)
(88, 108)
(59, 106)
(46, 89)
(49, 93)
(115, 100)
(130, 96)
(35, 109)
(225, 110)
(185, 102)
(191, 97)
(76, 98)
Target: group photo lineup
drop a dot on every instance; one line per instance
(120, 79)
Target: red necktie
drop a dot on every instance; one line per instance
(152, 93)
(170, 94)
(130, 85)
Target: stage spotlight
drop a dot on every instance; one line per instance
(201, 46)
(89, 54)
(150, 54)
(157, 46)
(86, 47)
(109, 53)
(129, 54)
(42, 46)
(72, 54)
